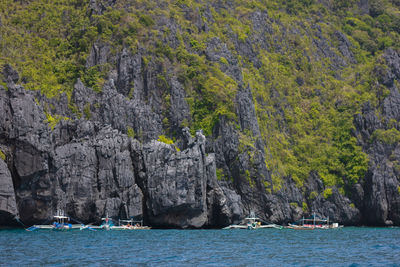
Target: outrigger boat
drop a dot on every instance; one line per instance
(61, 222)
(252, 223)
(130, 225)
(122, 225)
(312, 223)
(107, 223)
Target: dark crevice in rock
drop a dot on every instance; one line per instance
(139, 170)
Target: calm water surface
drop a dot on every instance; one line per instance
(269, 247)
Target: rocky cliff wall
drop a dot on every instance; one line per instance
(379, 196)
(90, 169)
(94, 152)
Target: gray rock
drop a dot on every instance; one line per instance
(324, 48)
(387, 73)
(176, 184)
(179, 111)
(112, 108)
(363, 6)
(379, 193)
(129, 69)
(246, 111)
(9, 74)
(8, 205)
(337, 206)
(28, 122)
(99, 6)
(217, 50)
(6, 117)
(89, 167)
(99, 55)
(188, 139)
(101, 179)
(345, 47)
(224, 205)
(392, 58)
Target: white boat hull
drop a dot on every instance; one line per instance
(52, 227)
(249, 227)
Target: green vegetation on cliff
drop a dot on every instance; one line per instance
(2, 155)
(307, 82)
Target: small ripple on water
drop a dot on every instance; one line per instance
(345, 247)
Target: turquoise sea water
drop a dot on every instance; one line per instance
(268, 247)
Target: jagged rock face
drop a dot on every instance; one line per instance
(100, 179)
(176, 185)
(79, 166)
(380, 194)
(224, 205)
(11, 76)
(345, 47)
(99, 55)
(8, 205)
(336, 206)
(182, 190)
(179, 108)
(112, 108)
(27, 139)
(90, 169)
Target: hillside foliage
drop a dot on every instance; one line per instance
(305, 103)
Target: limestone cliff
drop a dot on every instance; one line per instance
(191, 114)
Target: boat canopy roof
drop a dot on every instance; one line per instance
(60, 217)
(251, 218)
(313, 219)
(316, 220)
